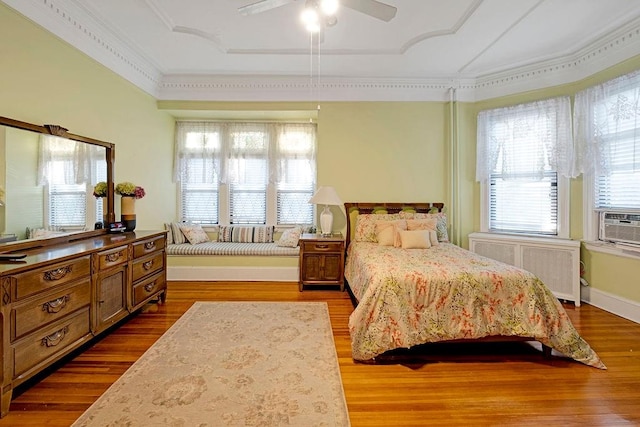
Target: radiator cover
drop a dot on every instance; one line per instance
(554, 261)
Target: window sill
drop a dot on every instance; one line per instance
(611, 249)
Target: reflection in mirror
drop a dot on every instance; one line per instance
(46, 185)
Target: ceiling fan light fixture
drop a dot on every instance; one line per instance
(329, 7)
(310, 17)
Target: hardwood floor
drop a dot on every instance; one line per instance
(505, 384)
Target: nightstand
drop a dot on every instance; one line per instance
(321, 260)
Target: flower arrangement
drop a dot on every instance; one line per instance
(129, 189)
(100, 190)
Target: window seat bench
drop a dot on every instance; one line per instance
(232, 248)
(226, 261)
(213, 260)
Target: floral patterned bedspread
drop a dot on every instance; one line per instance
(414, 296)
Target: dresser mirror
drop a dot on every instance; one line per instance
(47, 178)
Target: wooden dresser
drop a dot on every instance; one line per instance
(60, 297)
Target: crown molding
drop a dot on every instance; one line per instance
(73, 23)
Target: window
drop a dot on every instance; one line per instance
(67, 168)
(296, 181)
(524, 160)
(607, 132)
(245, 173)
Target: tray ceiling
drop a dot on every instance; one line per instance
(206, 50)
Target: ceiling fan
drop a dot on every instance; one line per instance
(372, 8)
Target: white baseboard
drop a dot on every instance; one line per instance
(612, 303)
(238, 274)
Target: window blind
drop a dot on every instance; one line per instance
(524, 206)
(67, 205)
(619, 187)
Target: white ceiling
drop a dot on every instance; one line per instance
(206, 50)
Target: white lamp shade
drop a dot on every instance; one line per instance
(326, 196)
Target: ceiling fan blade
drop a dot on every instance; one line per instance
(372, 8)
(262, 6)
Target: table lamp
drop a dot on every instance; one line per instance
(326, 196)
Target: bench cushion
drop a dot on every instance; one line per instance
(229, 248)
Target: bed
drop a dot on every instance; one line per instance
(411, 287)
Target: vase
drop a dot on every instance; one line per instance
(128, 212)
(105, 213)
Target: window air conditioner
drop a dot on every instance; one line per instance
(620, 227)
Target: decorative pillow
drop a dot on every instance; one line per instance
(387, 232)
(167, 226)
(421, 224)
(44, 233)
(365, 229)
(433, 237)
(441, 224)
(415, 239)
(290, 237)
(194, 233)
(177, 234)
(263, 234)
(242, 234)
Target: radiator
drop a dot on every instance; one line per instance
(554, 261)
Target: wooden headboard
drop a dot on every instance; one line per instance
(384, 207)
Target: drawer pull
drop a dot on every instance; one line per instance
(57, 274)
(322, 246)
(149, 286)
(55, 338)
(147, 265)
(150, 245)
(56, 305)
(113, 257)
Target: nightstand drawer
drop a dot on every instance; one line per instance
(322, 246)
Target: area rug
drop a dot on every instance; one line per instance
(232, 364)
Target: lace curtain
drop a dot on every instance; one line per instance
(216, 148)
(64, 161)
(198, 152)
(525, 140)
(606, 118)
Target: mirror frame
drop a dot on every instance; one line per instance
(57, 130)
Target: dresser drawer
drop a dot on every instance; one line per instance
(44, 278)
(322, 246)
(144, 266)
(113, 257)
(34, 313)
(146, 247)
(147, 288)
(50, 341)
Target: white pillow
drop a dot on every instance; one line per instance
(415, 239)
(194, 233)
(433, 237)
(290, 237)
(387, 232)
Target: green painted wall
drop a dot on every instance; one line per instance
(44, 80)
(367, 150)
